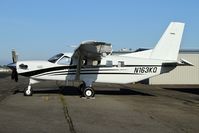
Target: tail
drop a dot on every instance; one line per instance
(169, 44)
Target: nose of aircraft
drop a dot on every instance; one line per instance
(12, 66)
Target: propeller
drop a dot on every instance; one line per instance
(14, 75)
(14, 56)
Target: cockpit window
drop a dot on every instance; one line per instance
(55, 58)
(64, 61)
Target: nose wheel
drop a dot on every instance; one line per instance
(28, 91)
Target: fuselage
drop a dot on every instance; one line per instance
(109, 69)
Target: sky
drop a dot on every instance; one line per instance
(39, 29)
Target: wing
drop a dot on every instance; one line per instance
(93, 50)
(89, 51)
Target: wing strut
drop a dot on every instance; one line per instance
(79, 65)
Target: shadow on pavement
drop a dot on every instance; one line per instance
(186, 90)
(122, 91)
(75, 91)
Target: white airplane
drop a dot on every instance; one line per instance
(93, 62)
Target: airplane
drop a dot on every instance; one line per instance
(93, 62)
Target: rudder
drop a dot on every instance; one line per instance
(169, 44)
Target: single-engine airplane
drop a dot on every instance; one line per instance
(93, 62)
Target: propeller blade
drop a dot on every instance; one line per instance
(14, 75)
(14, 56)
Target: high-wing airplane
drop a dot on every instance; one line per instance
(93, 62)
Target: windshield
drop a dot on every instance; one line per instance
(55, 58)
(64, 61)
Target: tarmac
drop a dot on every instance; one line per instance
(115, 108)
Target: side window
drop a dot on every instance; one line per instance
(109, 63)
(120, 63)
(64, 61)
(94, 63)
(90, 62)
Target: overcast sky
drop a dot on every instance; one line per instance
(38, 29)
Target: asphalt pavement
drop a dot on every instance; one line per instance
(115, 108)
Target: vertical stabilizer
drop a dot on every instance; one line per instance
(169, 44)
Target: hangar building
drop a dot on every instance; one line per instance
(181, 75)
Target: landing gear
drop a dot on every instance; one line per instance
(81, 87)
(86, 91)
(28, 91)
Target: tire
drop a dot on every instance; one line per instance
(88, 92)
(28, 92)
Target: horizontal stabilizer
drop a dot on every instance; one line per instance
(184, 62)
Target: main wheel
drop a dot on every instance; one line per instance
(28, 91)
(88, 92)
